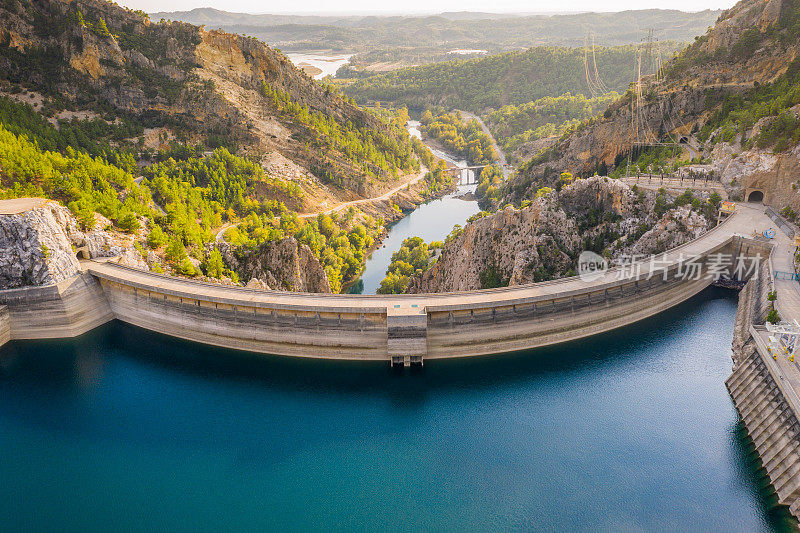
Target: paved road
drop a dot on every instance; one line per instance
(385, 196)
(500, 154)
(344, 205)
(20, 205)
(788, 290)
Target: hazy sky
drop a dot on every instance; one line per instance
(423, 6)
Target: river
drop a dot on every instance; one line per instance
(122, 429)
(432, 221)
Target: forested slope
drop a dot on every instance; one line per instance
(735, 92)
(491, 82)
(211, 89)
(156, 136)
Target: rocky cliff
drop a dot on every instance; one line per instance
(40, 244)
(279, 265)
(542, 241)
(35, 248)
(752, 45)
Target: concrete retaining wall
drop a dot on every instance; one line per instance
(771, 423)
(5, 325)
(67, 309)
(763, 401)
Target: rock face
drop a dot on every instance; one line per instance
(35, 248)
(542, 241)
(280, 265)
(679, 103)
(40, 246)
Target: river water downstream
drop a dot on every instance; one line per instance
(432, 221)
(629, 431)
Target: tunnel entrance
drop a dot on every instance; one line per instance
(755, 196)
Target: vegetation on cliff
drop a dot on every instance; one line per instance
(736, 114)
(339, 242)
(198, 193)
(413, 258)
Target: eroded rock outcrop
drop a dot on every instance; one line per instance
(40, 245)
(35, 248)
(542, 241)
(281, 265)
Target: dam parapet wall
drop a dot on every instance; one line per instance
(407, 328)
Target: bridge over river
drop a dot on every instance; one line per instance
(403, 329)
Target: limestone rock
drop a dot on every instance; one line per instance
(133, 259)
(282, 265)
(35, 249)
(256, 283)
(542, 241)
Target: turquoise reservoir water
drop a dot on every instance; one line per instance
(126, 430)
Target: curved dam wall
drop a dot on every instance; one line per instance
(399, 328)
(402, 328)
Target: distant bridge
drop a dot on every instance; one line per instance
(402, 329)
(477, 167)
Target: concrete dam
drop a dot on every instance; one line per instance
(401, 329)
(408, 329)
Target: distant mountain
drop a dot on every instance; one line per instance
(217, 18)
(491, 82)
(491, 31)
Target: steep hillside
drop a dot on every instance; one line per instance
(162, 140)
(204, 87)
(733, 95)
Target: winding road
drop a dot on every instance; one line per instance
(344, 205)
(501, 156)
